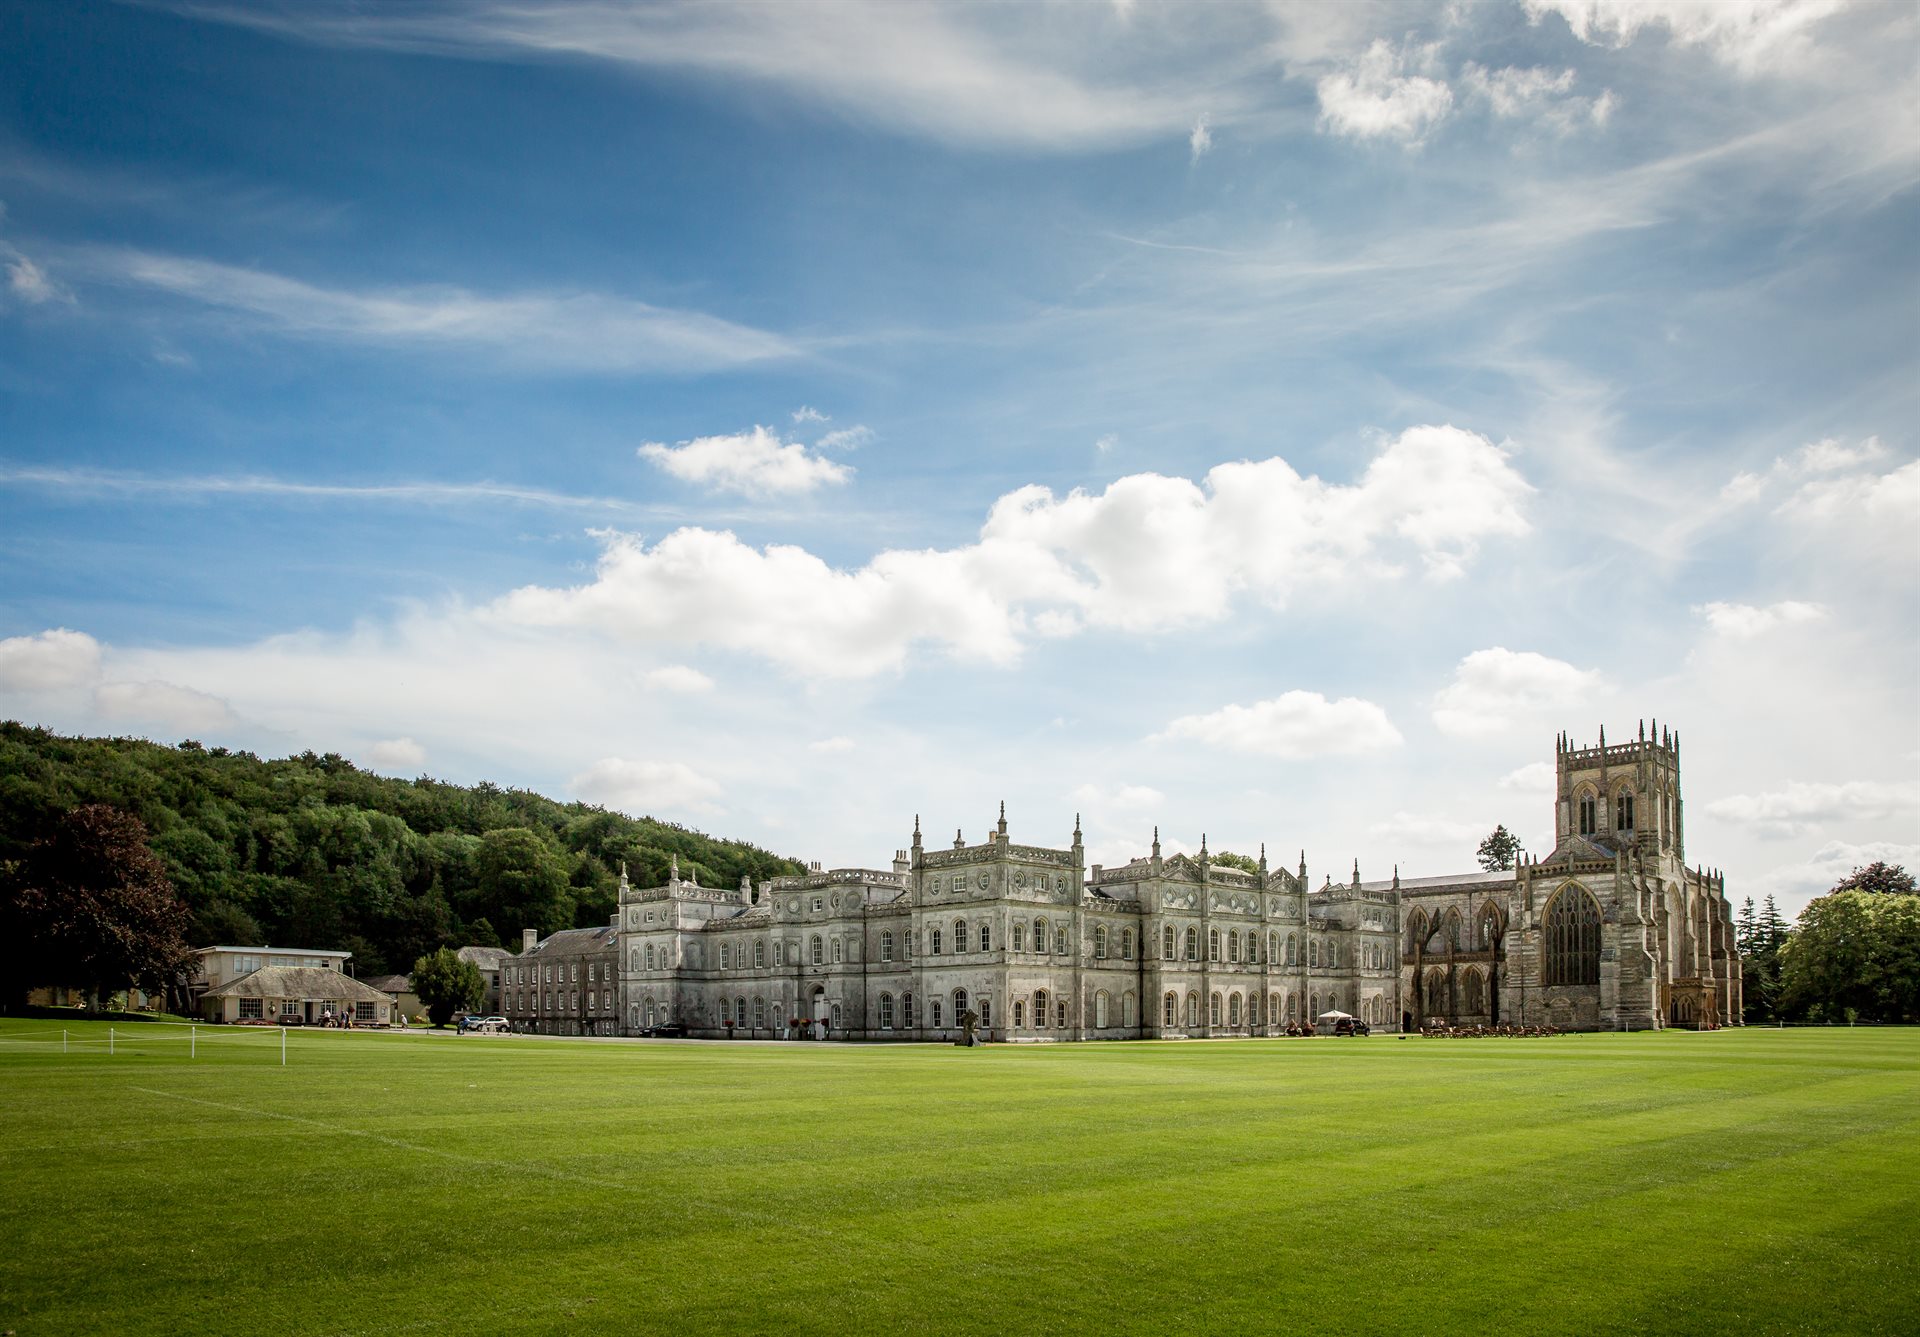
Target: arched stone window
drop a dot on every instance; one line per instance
(818, 949)
(959, 935)
(1060, 942)
(726, 956)
(836, 951)
(649, 957)
(986, 937)
(759, 1013)
(1573, 938)
(1100, 942)
(1126, 944)
(1490, 927)
(1623, 810)
(906, 1010)
(1213, 1010)
(1472, 996)
(1039, 935)
(1213, 944)
(1019, 936)
(1170, 1010)
(1233, 947)
(1127, 1017)
(1060, 1011)
(933, 942)
(1193, 944)
(1587, 804)
(1233, 1010)
(959, 1004)
(1019, 1013)
(886, 1011)
(1313, 953)
(726, 1012)
(1273, 947)
(1293, 951)
(1273, 1009)
(760, 953)
(886, 952)
(1416, 930)
(1100, 1019)
(1040, 1009)
(1170, 944)
(1193, 1010)
(1439, 995)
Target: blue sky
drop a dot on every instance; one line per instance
(1267, 422)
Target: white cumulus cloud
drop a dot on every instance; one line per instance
(398, 756)
(1377, 99)
(1427, 830)
(49, 661)
(1150, 553)
(757, 463)
(1536, 778)
(1498, 689)
(1805, 806)
(162, 705)
(678, 678)
(1292, 725)
(1744, 620)
(1544, 97)
(641, 788)
(1752, 36)
(1130, 798)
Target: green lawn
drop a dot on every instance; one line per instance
(1757, 1181)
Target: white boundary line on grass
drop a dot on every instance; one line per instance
(533, 1168)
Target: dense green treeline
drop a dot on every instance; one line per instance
(312, 851)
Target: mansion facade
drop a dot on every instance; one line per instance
(1611, 931)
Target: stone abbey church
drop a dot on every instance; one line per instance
(1611, 931)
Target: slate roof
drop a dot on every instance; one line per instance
(389, 983)
(310, 983)
(577, 942)
(1579, 849)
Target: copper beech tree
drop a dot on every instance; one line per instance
(89, 906)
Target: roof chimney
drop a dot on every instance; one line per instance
(529, 939)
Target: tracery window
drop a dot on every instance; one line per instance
(1573, 938)
(1589, 814)
(1623, 811)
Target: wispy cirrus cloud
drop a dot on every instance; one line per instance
(212, 487)
(539, 331)
(964, 74)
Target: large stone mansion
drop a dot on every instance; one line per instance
(1611, 931)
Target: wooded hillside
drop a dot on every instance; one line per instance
(313, 851)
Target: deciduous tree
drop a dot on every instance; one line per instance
(90, 906)
(447, 985)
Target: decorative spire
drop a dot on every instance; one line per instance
(1356, 872)
(959, 841)
(1002, 828)
(916, 830)
(1156, 841)
(1263, 858)
(673, 870)
(1076, 828)
(1203, 846)
(1396, 877)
